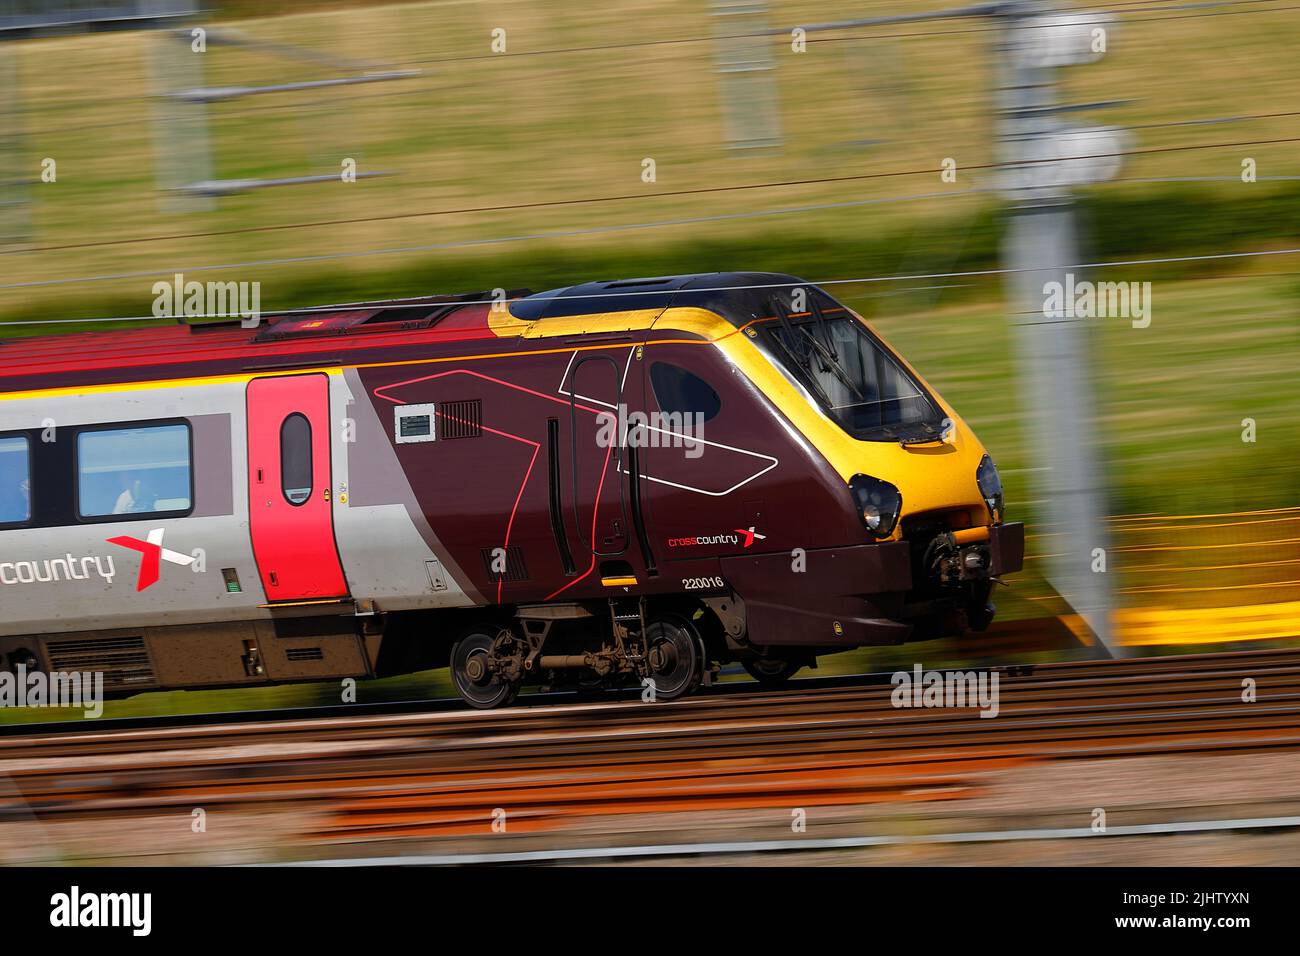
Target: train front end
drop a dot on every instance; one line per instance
(928, 531)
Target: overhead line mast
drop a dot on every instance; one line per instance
(1035, 39)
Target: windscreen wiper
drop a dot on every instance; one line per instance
(830, 360)
(795, 361)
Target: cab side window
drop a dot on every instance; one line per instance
(681, 392)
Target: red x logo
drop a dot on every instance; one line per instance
(152, 553)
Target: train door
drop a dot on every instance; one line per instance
(597, 496)
(708, 447)
(290, 511)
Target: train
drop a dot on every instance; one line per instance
(615, 483)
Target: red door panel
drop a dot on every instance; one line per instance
(290, 507)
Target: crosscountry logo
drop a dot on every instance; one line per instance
(151, 551)
(741, 536)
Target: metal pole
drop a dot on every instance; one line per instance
(1040, 244)
(1053, 352)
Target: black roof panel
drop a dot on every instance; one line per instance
(659, 292)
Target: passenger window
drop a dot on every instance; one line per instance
(681, 392)
(15, 480)
(133, 471)
(295, 458)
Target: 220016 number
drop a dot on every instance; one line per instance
(701, 584)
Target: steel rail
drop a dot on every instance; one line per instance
(811, 843)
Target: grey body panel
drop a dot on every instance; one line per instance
(51, 582)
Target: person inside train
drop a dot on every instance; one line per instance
(131, 498)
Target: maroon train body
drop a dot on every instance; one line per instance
(616, 483)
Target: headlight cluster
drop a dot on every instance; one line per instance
(879, 504)
(990, 485)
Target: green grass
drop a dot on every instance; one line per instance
(476, 130)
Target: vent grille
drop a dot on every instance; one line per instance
(304, 654)
(460, 419)
(124, 661)
(516, 569)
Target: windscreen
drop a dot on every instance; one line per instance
(849, 372)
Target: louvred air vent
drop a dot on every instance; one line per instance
(124, 661)
(460, 419)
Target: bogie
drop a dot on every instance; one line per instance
(662, 653)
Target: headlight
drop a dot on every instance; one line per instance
(879, 504)
(990, 484)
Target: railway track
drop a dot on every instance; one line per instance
(441, 773)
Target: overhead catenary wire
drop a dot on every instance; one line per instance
(624, 292)
(496, 240)
(623, 197)
(1128, 8)
(581, 200)
(1134, 7)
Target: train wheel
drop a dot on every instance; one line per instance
(676, 657)
(771, 671)
(475, 682)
